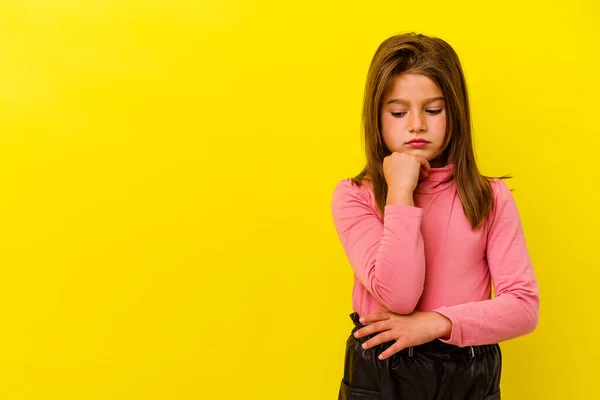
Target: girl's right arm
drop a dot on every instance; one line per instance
(387, 257)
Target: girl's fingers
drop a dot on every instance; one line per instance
(370, 329)
(381, 338)
(374, 317)
(424, 163)
(393, 349)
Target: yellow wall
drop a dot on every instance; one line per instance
(166, 171)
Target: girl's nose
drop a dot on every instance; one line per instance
(416, 123)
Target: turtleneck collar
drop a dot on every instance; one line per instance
(439, 179)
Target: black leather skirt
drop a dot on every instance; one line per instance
(431, 371)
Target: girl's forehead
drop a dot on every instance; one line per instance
(407, 90)
(416, 83)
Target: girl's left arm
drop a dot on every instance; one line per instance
(514, 310)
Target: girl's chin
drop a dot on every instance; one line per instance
(419, 152)
(436, 160)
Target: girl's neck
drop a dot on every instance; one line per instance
(440, 161)
(439, 179)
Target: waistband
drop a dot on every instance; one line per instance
(435, 348)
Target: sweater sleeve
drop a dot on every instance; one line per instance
(514, 310)
(387, 257)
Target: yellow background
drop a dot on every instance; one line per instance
(166, 174)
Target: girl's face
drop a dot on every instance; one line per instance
(413, 117)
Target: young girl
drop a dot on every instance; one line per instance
(426, 235)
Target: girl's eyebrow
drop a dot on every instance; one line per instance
(404, 101)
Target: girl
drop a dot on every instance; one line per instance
(426, 235)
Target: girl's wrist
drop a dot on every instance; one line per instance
(443, 326)
(404, 197)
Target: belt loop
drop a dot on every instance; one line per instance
(410, 351)
(471, 352)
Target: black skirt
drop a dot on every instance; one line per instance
(431, 371)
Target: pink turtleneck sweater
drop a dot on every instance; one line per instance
(428, 258)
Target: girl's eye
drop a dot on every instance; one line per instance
(401, 114)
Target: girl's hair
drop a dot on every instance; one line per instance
(434, 58)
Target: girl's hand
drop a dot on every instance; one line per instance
(402, 171)
(407, 330)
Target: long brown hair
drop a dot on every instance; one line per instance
(436, 59)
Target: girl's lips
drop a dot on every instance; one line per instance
(418, 143)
